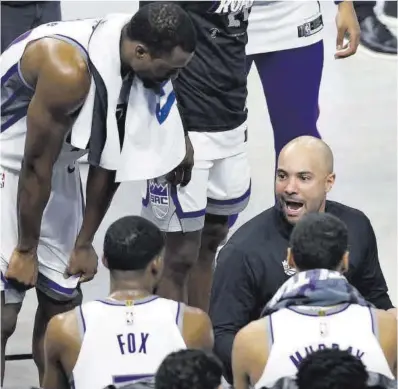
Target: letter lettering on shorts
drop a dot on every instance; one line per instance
(121, 343)
(131, 343)
(144, 338)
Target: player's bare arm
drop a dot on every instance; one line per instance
(387, 324)
(198, 330)
(249, 354)
(61, 81)
(61, 349)
(100, 189)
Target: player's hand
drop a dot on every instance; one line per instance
(84, 262)
(182, 173)
(347, 24)
(23, 268)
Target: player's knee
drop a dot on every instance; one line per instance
(9, 316)
(182, 253)
(214, 232)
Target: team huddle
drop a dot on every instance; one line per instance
(166, 103)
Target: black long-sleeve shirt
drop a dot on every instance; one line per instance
(251, 267)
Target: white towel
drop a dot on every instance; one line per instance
(152, 143)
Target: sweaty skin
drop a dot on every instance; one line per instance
(250, 351)
(63, 343)
(61, 79)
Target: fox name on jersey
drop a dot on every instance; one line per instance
(133, 343)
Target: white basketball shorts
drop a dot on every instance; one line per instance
(62, 219)
(219, 186)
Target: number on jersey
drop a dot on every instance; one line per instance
(233, 18)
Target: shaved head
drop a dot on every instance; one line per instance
(315, 148)
(304, 177)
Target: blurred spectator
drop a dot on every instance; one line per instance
(189, 369)
(18, 17)
(375, 36)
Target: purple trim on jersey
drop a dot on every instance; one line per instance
(180, 213)
(329, 312)
(124, 379)
(54, 286)
(271, 329)
(231, 201)
(372, 320)
(20, 38)
(145, 201)
(82, 317)
(5, 282)
(73, 40)
(178, 312)
(123, 303)
(18, 115)
(9, 73)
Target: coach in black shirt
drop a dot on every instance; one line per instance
(252, 265)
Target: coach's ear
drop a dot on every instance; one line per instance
(105, 262)
(290, 259)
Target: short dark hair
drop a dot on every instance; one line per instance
(331, 369)
(162, 26)
(189, 369)
(319, 241)
(131, 243)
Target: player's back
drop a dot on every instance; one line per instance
(125, 341)
(296, 332)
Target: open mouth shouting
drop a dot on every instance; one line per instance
(293, 208)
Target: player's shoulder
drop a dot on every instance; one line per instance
(385, 319)
(62, 325)
(251, 339)
(57, 62)
(196, 314)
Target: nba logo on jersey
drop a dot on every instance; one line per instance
(159, 197)
(287, 269)
(307, 29)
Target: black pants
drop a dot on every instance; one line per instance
(364, 9)
(17, 19)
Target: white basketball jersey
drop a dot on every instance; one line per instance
(16, 94)
(122, 344)
(283, 25)
(297, 332)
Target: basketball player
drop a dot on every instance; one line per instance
(274, 346)
(41, 196)
(211, 92)
(125, 337)
(285, 43)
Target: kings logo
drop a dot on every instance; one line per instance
(159, 198)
